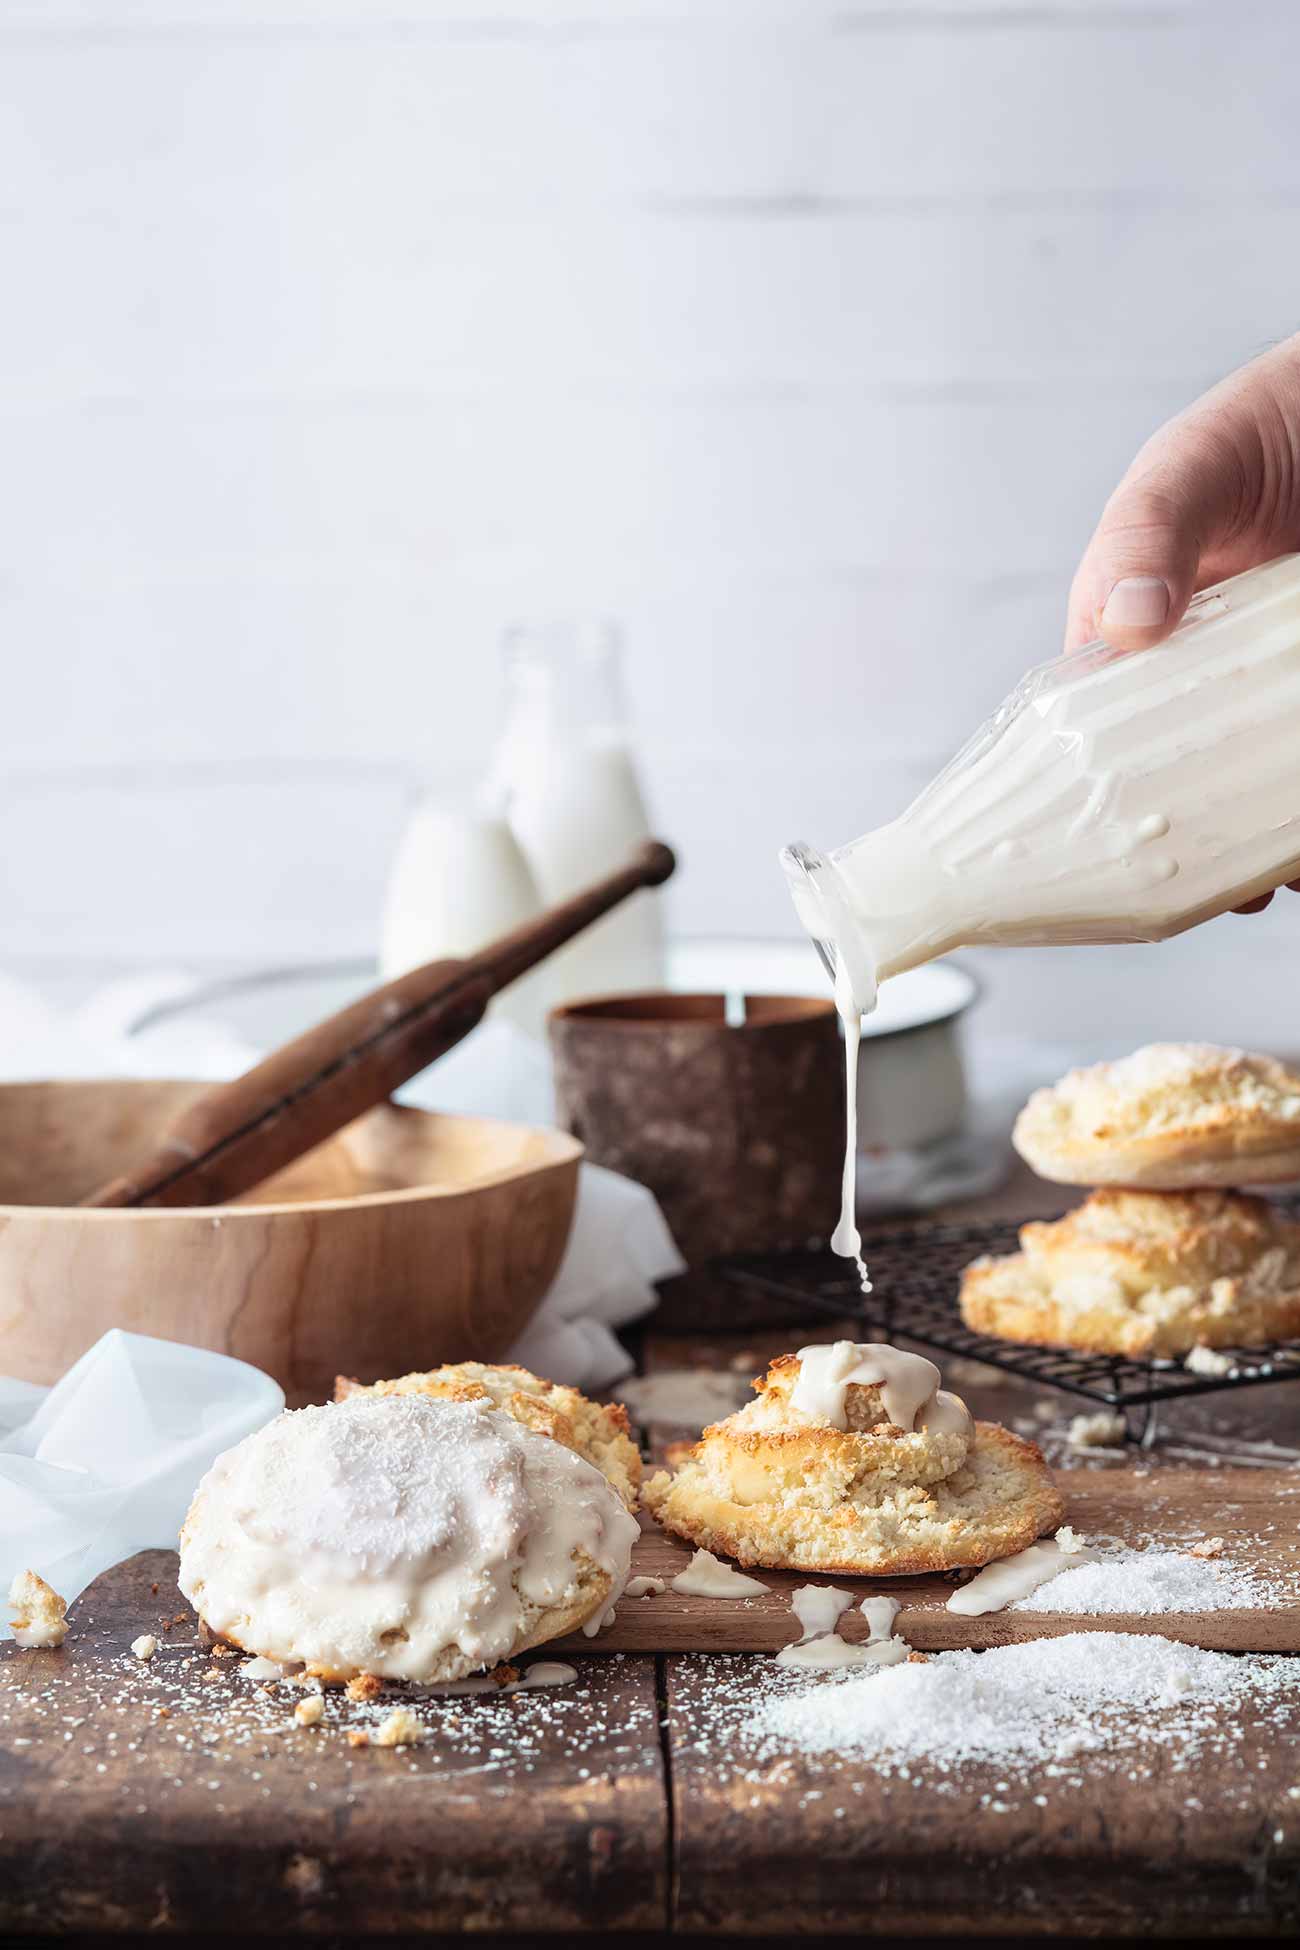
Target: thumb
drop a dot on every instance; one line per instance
(1215, 491)
(1139, 571)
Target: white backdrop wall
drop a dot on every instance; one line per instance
(806, 338)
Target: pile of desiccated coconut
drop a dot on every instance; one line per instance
(1151, 1581)
(1026, 1707)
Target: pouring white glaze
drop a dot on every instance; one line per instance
(1111, 798)
(909, 1386)
(846, 1239)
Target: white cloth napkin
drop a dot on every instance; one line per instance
(105, 1463)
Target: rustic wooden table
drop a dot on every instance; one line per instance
(147, 1799)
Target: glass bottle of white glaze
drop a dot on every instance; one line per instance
(1112, 798)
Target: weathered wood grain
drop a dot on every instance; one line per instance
(821, 1845)
(542, 1811)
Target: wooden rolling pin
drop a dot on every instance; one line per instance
(239, 1133)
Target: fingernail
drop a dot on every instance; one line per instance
(1136, 603)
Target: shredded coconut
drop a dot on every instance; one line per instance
(1021, 1705)
(1143, 1582)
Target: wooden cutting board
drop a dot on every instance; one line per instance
(1255, 1511)
(146, 1798)
(141, 1797)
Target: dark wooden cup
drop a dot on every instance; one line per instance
(738, 1129)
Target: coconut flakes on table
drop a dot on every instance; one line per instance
(1041, 1705)
(509, 1732)
(1148, 1582)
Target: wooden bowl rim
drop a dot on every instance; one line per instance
(562, 1149)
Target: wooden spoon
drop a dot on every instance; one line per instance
(238, 1133)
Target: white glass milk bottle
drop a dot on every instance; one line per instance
(565, 778)
(1112, 798)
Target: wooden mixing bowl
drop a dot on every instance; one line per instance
(408, 1239)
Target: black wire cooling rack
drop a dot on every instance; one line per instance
(916, 1271)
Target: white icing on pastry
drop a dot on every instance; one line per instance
(404, 1536)
(908, 1383)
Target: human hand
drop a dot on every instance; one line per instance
(1215, 491)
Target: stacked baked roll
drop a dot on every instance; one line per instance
(854, 1459)
(1164, 1256)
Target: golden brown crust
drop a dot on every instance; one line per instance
(778, 1486)
(998, 1503)
(366, 1686)
(596, 1431)
(1144, 1273)
(1172, 1116)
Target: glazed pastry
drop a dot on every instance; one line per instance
(405, 1537)
(853, 1459)
(598, 1432)
(1144, 1273)
(1172, 1116)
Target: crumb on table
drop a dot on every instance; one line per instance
(401, 1729)
(1104, 1430)
(39, 1614)
(365, 1686)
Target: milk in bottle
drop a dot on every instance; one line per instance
(565, 777)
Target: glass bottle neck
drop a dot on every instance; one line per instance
(564, 678)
